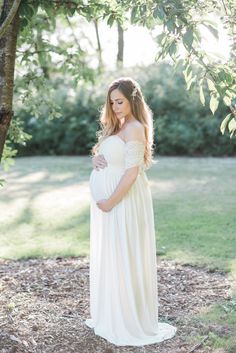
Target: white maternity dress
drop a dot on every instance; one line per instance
(123, 277)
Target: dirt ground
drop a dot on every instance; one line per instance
(44, 303)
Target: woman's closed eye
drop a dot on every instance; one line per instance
(117, 102)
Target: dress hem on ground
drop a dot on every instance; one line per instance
(165, 332)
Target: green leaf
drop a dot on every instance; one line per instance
(197, 36)
(211, 85)
(160, 37)
(159, 55)
(49, 9)
(2, 181)
(159, 12)
(213, 30)
(188, 71)
(24, 23)
(189, 83)
(201, 94)
(134, 12)
(178, 65)
(170, 25)
(227, 101)
(172, 49)
(214, 102)
(188, 74)
(110, 20)
(224, 123)
(188, 38)
(143, 10)
(71, 11)
(232, 126)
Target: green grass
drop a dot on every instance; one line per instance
(44, 209)
(194, 206)
(44, 212)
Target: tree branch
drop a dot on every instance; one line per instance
(10, 17)
(224, 7)
(72, 32)
(34, 52)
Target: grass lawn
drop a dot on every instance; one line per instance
(44, 209)
(44, 212)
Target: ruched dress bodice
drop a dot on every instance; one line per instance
(120, 156)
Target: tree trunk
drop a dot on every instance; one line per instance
(7, 65)
(120, 54)
(99, 48)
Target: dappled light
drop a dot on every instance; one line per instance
(74, 76)
(44, 213)
(50, 205)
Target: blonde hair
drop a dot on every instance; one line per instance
(139, 108)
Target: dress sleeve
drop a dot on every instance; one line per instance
(134, 154)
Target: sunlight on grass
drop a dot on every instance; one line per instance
(59, 202)
(44, 208)
(65, 236)
(47, 200)
(182, 256)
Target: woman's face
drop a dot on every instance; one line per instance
(120, 105)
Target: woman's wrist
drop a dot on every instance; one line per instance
(111, 202)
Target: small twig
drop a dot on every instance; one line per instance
(69, 316)
(198, 344)
(3, 323)
(164, 300)
(215, 287)
(59, 294)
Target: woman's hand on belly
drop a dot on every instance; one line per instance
(105, 205)
(99, 162)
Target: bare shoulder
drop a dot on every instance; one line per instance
(134, 131)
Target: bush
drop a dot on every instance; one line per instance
(182, 125)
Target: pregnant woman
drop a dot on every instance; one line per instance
(123, 278)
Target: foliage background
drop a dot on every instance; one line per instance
(183, 126)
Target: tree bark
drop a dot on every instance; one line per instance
(99, 47)
(7, 66)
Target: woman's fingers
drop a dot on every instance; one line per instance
(99, 162)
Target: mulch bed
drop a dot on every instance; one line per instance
(44, 303)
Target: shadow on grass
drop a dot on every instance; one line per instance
(32, 179)
(69, 237)
(193, 223)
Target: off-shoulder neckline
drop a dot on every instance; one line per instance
(125, 142)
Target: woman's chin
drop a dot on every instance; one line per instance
(120, 117)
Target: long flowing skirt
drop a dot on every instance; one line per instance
(123, 277)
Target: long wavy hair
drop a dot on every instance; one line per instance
(110, 124)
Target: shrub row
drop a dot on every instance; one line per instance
(182, 125)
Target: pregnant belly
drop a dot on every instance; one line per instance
(102, 183)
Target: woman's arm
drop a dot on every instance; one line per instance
(123, 187)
